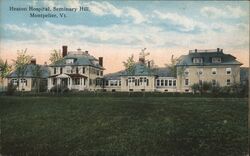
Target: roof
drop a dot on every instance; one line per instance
(80, 59)
(113, 76)
(161, 72)
(29, 72)
(164, 72)
(226, 59)
(140, 69)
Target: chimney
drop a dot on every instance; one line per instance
(87, 52)
(64, 51)
(221, 50)
(195, 50)
(33, 61)
(101, 61)
(149, 64)
(218, 49)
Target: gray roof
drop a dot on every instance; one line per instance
(226, 59)
(164, 72)
(140, 69)
(161, 72)
(29, 72)
(79, 59)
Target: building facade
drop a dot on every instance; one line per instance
(32, 76)
(77, 70)
(207, 65)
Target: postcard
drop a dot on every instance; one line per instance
(124, 77)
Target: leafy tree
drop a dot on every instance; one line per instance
(21, 64)
(37, 74)
(130, 65)
(195, 87)
(55, 56)
(5, 69)
(206, 86)
(172, 66)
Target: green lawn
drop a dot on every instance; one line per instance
(123, 126)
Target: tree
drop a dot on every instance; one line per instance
(55, 56)
(172, 66)
(37, 74)
(21, 64)
(130, 65)
(5, 69)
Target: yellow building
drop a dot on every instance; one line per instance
(207, 65)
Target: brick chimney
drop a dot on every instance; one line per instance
(149, 65)
(64, 51)
(33, 61)
(218, 49)
(101, 61)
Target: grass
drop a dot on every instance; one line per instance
(123, 126)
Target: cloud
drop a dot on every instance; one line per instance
(184, 23)
(105, 8)
(227, 12)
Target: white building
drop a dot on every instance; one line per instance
(77, 70)
(28, 80)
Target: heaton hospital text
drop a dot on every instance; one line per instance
(42, 9)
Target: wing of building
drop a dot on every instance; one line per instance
(77, 70)
(207, 65)
(30, 77)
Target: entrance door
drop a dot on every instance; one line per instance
(64, 82)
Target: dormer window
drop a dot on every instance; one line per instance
(198, 60)
(69, 61)
(216, 60)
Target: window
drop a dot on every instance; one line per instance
(61, 70)
(83, 70)
(186, 82)
(76, 81)
(69, 61)
(106, 82)
(174, 82)
(120, 82)
(197, 60)
(55, 70)
(170, 82)
(136, 82)
(145, 79)
(166, 82)
(228, 70)
(216, 60)
(54, 81)
(24, 81)
(147, 82)
(126, 82)
(162, 82)
(14, 81)
(77, 70)
(101, 73)
(113, 83)
(97, 72)
(214, 71)
(158, 82)
(213, 82)
(228, 82)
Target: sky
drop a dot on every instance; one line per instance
(117, 29)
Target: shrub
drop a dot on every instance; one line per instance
(206, 86)
(59, 89)
(11, 89)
